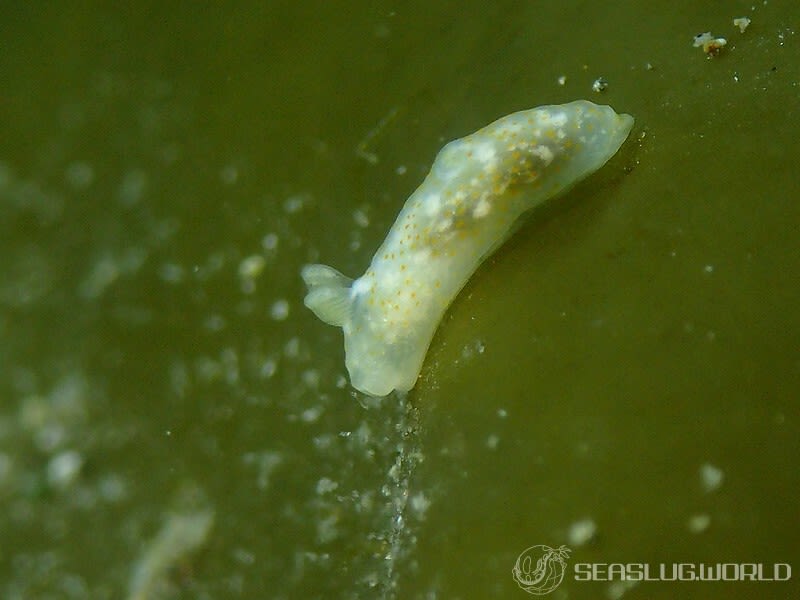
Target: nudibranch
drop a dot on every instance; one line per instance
(466, 207)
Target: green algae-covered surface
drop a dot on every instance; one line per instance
(621, 378)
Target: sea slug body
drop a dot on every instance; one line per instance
(465, 208)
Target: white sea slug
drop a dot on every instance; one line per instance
(477, 188)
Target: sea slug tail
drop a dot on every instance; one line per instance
(328, 293)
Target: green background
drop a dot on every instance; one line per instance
(644, 325)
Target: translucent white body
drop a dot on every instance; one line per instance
(477, 188)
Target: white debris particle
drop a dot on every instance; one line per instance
(270, 241)
(502, 413)
(599, 85)
(708, 268)
(471, 349)
(711, 45)
(492, 441)
(711, 477)
(581, 532)
(698, 523)
(326, 486)
(401, 170)
(63, 469)
(341, 381)
(562, 79)
(742, 23)
(279, 310)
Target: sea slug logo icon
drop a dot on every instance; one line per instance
(547, 573)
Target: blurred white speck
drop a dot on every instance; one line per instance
(104, 272)
(171, 273)
(80, 175)
(294, 204)
(5, 468)
(327, 530)
(112, 488)
(326, 485)
(502, 413)
(711, 477)
(230, 361)
(492, 441)
(265, 462)
(419, 504)
(581, 532)
(268, 368)
(708, 268)
(361, 218)
(214, 323)
(617, 589)
(5, 175)
(229, 174)
(279, 310)
(244, 557)
(401, 170)
(252, 266)
(341, 381)
(132, 187)
(310, 378)
(270, 241)
(562, 79)
(698, 523)
(311, 415)
(292, 348)
(63, 469)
